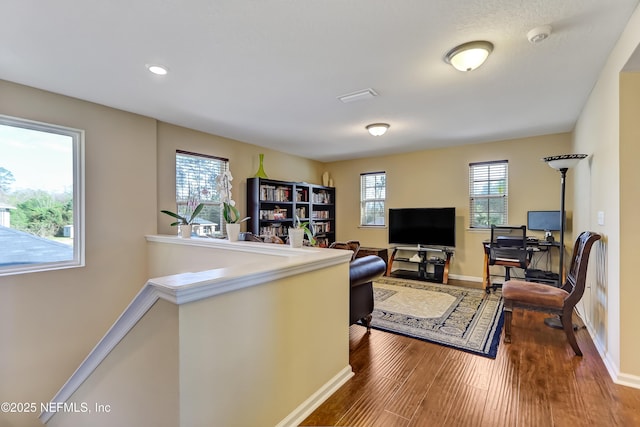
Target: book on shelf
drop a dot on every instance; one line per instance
(320, 215)
(272, 230)
(322, 227)
(302, 195)
(301, 212)
(321, 196)
(274, 193)
(273, 214)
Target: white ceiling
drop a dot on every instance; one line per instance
(269, 72)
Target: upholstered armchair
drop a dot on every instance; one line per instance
(362, 272)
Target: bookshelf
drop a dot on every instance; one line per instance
(273, 205)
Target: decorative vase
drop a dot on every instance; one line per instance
(261, 173)
(184, 230)
(296, 236)
(233, 231)
(325, 179)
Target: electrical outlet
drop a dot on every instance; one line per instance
(600, 217)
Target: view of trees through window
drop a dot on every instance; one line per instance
(196, 183)
(37, 193)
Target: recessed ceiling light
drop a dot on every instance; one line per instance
(157, 69)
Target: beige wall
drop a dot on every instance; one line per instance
(290, 338)
(440, 178)
(138, 380)
(50, 321)
(243, 162)
(629, 208)
(608, 130)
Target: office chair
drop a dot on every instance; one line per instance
(508, 248)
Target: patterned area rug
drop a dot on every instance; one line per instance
(463, 318)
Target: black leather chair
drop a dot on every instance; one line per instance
(508, 248)
(362, 272)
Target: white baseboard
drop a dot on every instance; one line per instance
(465, 278)
(628, 380)
(613, 369)
(316, 399)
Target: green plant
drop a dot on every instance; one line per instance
(307, 227)
(185, 220)
(232, 214)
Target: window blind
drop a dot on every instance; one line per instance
(372, 198)
(196, 183)
(488, 193)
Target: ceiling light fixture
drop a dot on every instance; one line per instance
(377, 129)
(157, 69)
(469, 56)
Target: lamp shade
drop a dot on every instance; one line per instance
(564, 161)
(469, 56)
(377, 129)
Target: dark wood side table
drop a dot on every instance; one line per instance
(381, 252)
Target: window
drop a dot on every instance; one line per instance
(372, 196)
(488, 193)
(196, 183)
(41, 196)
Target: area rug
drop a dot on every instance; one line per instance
(463, 318)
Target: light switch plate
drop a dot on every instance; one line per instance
(600, 217)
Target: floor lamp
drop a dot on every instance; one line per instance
(561, 163)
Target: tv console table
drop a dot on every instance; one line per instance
(440, 264)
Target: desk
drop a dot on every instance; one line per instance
(533, 246)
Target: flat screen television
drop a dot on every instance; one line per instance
(423, 226)
(544, 220)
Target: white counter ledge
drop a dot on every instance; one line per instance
(307, 280)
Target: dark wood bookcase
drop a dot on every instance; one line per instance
(273, 206)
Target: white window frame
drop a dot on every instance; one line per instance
(488, 194)
(77, 141)
(202, 182)
(372, 194)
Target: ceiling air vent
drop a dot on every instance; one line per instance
(358, 95)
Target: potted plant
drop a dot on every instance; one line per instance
(298, 231)
(185, 223)
(230, 213)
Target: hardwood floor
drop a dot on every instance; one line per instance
(535, 381)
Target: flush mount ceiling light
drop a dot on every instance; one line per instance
(377, 129)
(157, 69)
(469, 56)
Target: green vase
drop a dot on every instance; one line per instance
(261, 173)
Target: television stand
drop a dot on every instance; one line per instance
(432, 268)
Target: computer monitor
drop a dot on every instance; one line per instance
(544, 220)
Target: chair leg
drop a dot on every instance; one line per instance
(367, 321)
(567, 325)
(508, 314)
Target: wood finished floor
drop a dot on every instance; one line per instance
(534, 381)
